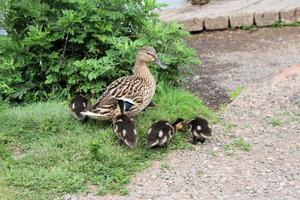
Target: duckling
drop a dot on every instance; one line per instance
(161, 132)
(77, 105)
(200, 130)
(124, 127)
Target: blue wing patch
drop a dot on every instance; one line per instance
(128, 105)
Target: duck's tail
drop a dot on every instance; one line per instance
(89, 114)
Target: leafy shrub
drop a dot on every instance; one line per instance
(59, 47)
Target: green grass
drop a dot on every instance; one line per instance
(200, 173)
(230, 127)
(248, 27)
(276, 24)
(279, 24)
(58, 155)
(235, 93)
(236, 144)
(165, 166)
(275, 122)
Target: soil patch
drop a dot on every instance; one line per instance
(239, 58)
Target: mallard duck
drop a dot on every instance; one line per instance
(199, 129)
(124, 127)
(136, 90)
(77, 105)
(161, 132)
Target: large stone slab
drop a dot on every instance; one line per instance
(266, 18)
(219, 15)
(290, 16)
(194, 24)
(241, 19)
(216, 23)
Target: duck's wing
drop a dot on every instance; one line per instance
(128, 89)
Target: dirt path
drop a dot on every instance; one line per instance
(239, 58)
(266, 115)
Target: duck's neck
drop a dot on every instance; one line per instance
(141, 69)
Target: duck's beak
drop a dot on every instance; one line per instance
(158, 62)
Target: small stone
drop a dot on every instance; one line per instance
(196, 77)
(259, 191)
(268, 144)
(253, 194)
(140, 184)
(68, 197)
(268, 170)
(282, 184)
(237, 195)
(292, 183)
(73, 197)
(223, 179)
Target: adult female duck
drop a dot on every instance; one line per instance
(136, 90)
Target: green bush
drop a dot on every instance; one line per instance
(60, 47)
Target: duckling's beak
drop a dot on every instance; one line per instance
(158, 62)
(179, 126)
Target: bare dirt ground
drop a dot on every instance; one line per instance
(265, 115)
(239, 58)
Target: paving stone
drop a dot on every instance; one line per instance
(266, 18)
(194, 24)
(290, 16)
(216, 23)
(218, 14)
(241, 19)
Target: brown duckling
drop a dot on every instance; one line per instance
(124, 127)
(77, 105)
(200, 130)
(161, 132)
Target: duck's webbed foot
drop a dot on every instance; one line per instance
(193, 140)
(202, 140)
(121, 142)
(151, 105)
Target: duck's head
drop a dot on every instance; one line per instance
(148, 54)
